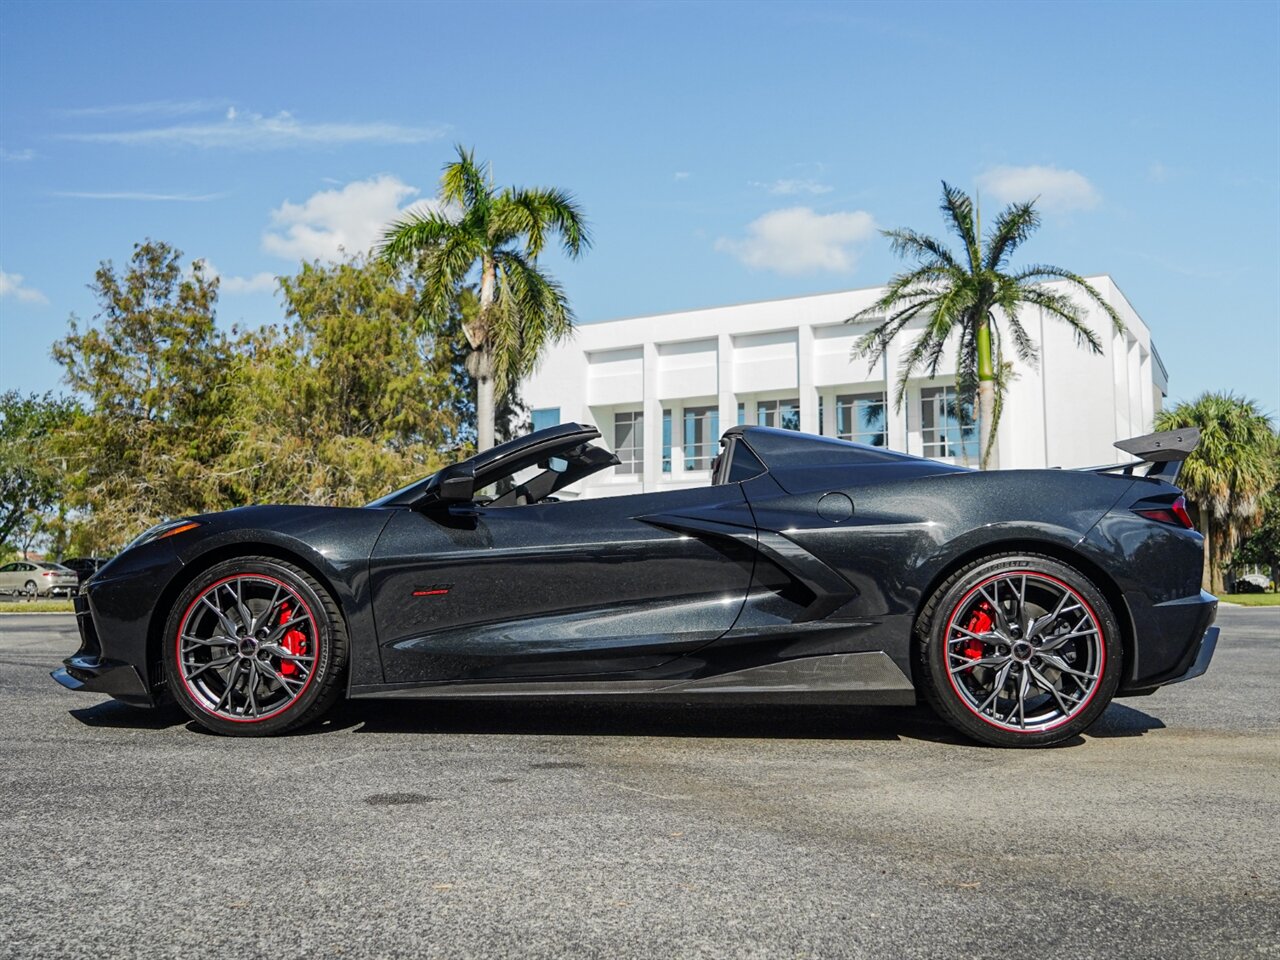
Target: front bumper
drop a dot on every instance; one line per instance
(88, 670)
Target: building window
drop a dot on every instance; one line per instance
(778, 413)
(861, 417)
(701, 436)
(628, 441)
(546, 417)
(666, 441)
(946, 426)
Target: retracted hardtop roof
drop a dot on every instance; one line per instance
(563, 440)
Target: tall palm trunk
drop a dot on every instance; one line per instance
(1206, 531)
(484, 400)
(484, 361)
(986, 391)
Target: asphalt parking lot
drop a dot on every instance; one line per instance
(455, 829)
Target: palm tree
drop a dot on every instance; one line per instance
(1228, 474)
(976, 298)
(493, 237)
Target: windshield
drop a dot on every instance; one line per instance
(424, 483)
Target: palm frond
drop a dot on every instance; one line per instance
(1015, 224)
(538, 211)
(532, 311)
(1027, 350)
(443, 267)
(1065, 309)
(463, 182)
(873, 344)
(957, 206)
(928, 250)
(1040, 272)
(409, 236)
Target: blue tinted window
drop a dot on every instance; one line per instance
(947, 425)
(666, 441)
(701, 436)
(546, 417)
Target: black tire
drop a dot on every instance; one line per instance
(31, 590)
(959, 668)
(195, 682)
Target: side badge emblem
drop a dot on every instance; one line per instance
(434, 590)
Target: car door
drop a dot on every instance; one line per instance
(9, 581)
(23, 573)
(559, 589)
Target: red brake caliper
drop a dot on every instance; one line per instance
(294, 641)
(980, 622)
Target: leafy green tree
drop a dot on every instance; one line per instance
(1263, 545)
(348, 399)
(30, 473)
(973, 298)
(1228, 474)
(494, 235)
(153, 369)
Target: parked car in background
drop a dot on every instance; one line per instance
(85, 567)
(33, 578)
(1252, 583)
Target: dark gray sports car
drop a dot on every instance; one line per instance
(811, 570)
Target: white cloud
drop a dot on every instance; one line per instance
(16, 156)
(253, 131)
(11, 285)
(683, 175)
(797, 240)
(179, 197)
(163, 108)
(1057, 190)
(787, 188)
(331, 222)
(263, 282)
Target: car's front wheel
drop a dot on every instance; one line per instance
(255, 646)
(1019, 650)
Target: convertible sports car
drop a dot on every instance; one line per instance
(810, 570)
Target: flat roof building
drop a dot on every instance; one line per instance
(662, 389)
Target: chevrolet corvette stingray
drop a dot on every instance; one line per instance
(1017, 603)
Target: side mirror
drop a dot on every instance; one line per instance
(457, 483)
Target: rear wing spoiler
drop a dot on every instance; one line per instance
(1161, 453)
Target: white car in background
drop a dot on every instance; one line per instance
(33, 578)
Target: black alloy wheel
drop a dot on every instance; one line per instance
(1019, 650)
(255, 646)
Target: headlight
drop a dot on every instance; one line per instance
(162, 530)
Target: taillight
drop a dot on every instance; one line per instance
(1174, 514)
(47, 573)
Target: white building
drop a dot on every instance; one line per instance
(661, 389)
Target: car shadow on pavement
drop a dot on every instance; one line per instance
(1122, 720)
(740, 721)
(117, 715)
(605, 719)
(587, 718)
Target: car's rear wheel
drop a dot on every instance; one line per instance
(255, 646)
(31, 590)
(1019, 650)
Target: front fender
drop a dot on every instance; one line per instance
(333, 543)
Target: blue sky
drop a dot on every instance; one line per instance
(723, 152)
